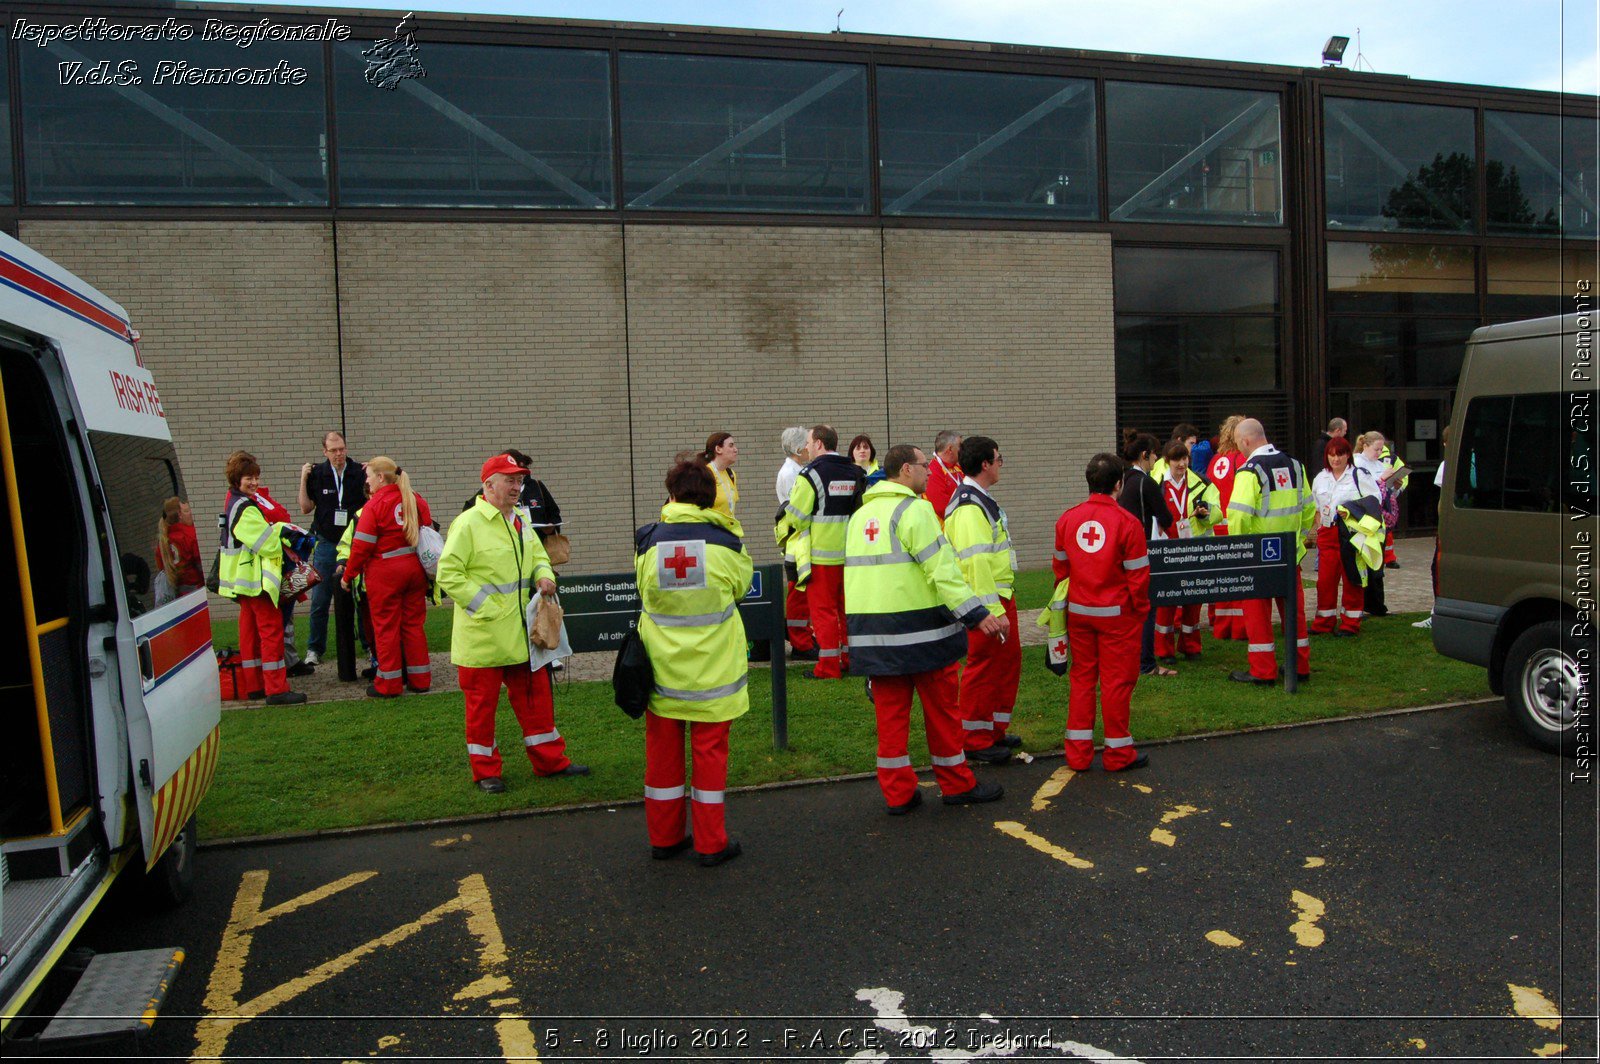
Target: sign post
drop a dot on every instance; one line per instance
(1232, 568)
(601, 608)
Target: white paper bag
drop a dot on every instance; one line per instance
(539, 657)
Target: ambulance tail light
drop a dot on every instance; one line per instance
(135, 336)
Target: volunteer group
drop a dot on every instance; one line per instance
(901, 570)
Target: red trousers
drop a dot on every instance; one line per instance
(891, 698)
(397, 589)
(1177, 628)
(1330, 574)
(1227, 620)
(261, 646)
(797, 615)
(531, 701)
(989, 683)
(1105, 651)
(1263, 650)
(826, 598)
(664, 800)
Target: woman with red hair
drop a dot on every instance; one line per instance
(1340, 482)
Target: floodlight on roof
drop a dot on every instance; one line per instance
(1333, 51)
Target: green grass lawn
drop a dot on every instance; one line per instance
(349, 763)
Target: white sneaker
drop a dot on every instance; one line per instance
(1426, 622)
(312, 658)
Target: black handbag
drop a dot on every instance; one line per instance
(632, 678)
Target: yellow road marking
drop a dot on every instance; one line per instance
(1178, 812)
(388, 1041)
(1550, 1049)
(1315, 862)
(1531, 1004)
(1140, 787)
(1226, 824)
(1141, 868)
(1222, 938)
(1051, 787)
(489, 984)
(1163, 836)
(1044, 846)
(1417, 1043)
(1305, 929)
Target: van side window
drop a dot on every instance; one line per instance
(138, 475)
(1480, 457)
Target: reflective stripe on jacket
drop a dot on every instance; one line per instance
(906, 606)
(251, 560)
(825, 494)
(1271, 494)
(976, 528)
(692, 570)
(1100, 548)
(489, 571)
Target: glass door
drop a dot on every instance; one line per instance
(1414, 422)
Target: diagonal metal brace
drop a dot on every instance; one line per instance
(477, 128)
(672, 182)
(1390, 160)
(1155, 187)
(978, 151)
(1537, 158)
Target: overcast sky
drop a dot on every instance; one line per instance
(1533, 44)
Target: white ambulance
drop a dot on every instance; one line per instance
(109, 705)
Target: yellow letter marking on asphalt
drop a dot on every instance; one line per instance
(1051, 787)
(1314, 862)
(1306, 931)
(1222, 938)
(1163, 836)
(227, 977)
(1044, 846)
(1550, 1049)
(1531, 1004)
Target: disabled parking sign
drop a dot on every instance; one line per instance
(1272, 549)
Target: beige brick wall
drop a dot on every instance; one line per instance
(1009, 335)
(459, 339)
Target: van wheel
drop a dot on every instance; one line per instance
(1542, 685)
(171, 881)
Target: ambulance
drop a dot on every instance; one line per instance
(109, 704)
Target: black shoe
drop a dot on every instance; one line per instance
(1139, 762)
(1010, 742)
(253, 695)
(1192, 657)
(288, 698)
(1244, 677)
(990, 755)
(664, 853)
(570, 770)
(983, 792)
(373, 692)
(370, 672)
(1381, 611)
(1340, 633)
(300, 668)
(803, 655)
(1393, 565)
(1303, 677)
(492, 785)
(728, 853)
(909, 804)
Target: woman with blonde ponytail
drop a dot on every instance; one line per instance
(178, 551)
(384, 550)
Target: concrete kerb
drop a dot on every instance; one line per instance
(585, 807)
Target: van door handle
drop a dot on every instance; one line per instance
(147, 665)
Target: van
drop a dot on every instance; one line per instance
(1517, 529)
(110, 726)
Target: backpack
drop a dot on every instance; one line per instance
(632, 678)
(429, 546)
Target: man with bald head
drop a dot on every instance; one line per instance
(1271, 495)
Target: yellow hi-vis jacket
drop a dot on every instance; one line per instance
(1271, 494)
(1363, 520)
(692, 570)
(1053, 619)
(976, 528)
(341, 551)
(252, 551)
(825, 494)
(906, 605)
(489, 571)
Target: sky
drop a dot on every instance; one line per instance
(1530, 44)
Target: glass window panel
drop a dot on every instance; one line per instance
(1401, 279)
(488, 126)
(1178, 153)
(1196, 355)
(1194, 280)
(160, 142)
(1395, 352)
(7, 181)
(1540, 174)
(712, 134)
(989, 145)
(1479, 460)
(1536, 283)
(138, 475)
(1399, 165)
(1541, 432)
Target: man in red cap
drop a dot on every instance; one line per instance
(491, 563)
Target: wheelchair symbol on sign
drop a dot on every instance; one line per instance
(1272, 550)
(755, 586)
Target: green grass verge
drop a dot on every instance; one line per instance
(341, 764)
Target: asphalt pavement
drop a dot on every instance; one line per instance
(1402, 886)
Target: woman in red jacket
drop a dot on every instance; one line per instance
(178, 550)
(384, 549)
(1227, 618)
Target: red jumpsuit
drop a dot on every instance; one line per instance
(397, 590)
(1101, 548)
(942, 483)
(1227, 618)
(1177, 627)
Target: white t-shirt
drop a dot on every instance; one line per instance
(1438, 476)
(1332, 493)
(786, 478)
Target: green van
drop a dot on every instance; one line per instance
(1517, 526)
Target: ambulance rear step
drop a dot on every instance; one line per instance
(117, 996)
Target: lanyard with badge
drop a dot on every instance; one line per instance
(340, 518)
(1180, 501)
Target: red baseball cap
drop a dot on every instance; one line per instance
(502, 463)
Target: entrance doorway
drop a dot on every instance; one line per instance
(1414, 421)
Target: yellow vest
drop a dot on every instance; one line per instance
(251, 560)
(976, 528)
(1270, 494)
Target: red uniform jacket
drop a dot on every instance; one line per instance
(271, 508)
(942, 484)
(185, 543)
(1101, 548)
(381, 529)
(1223, 467)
